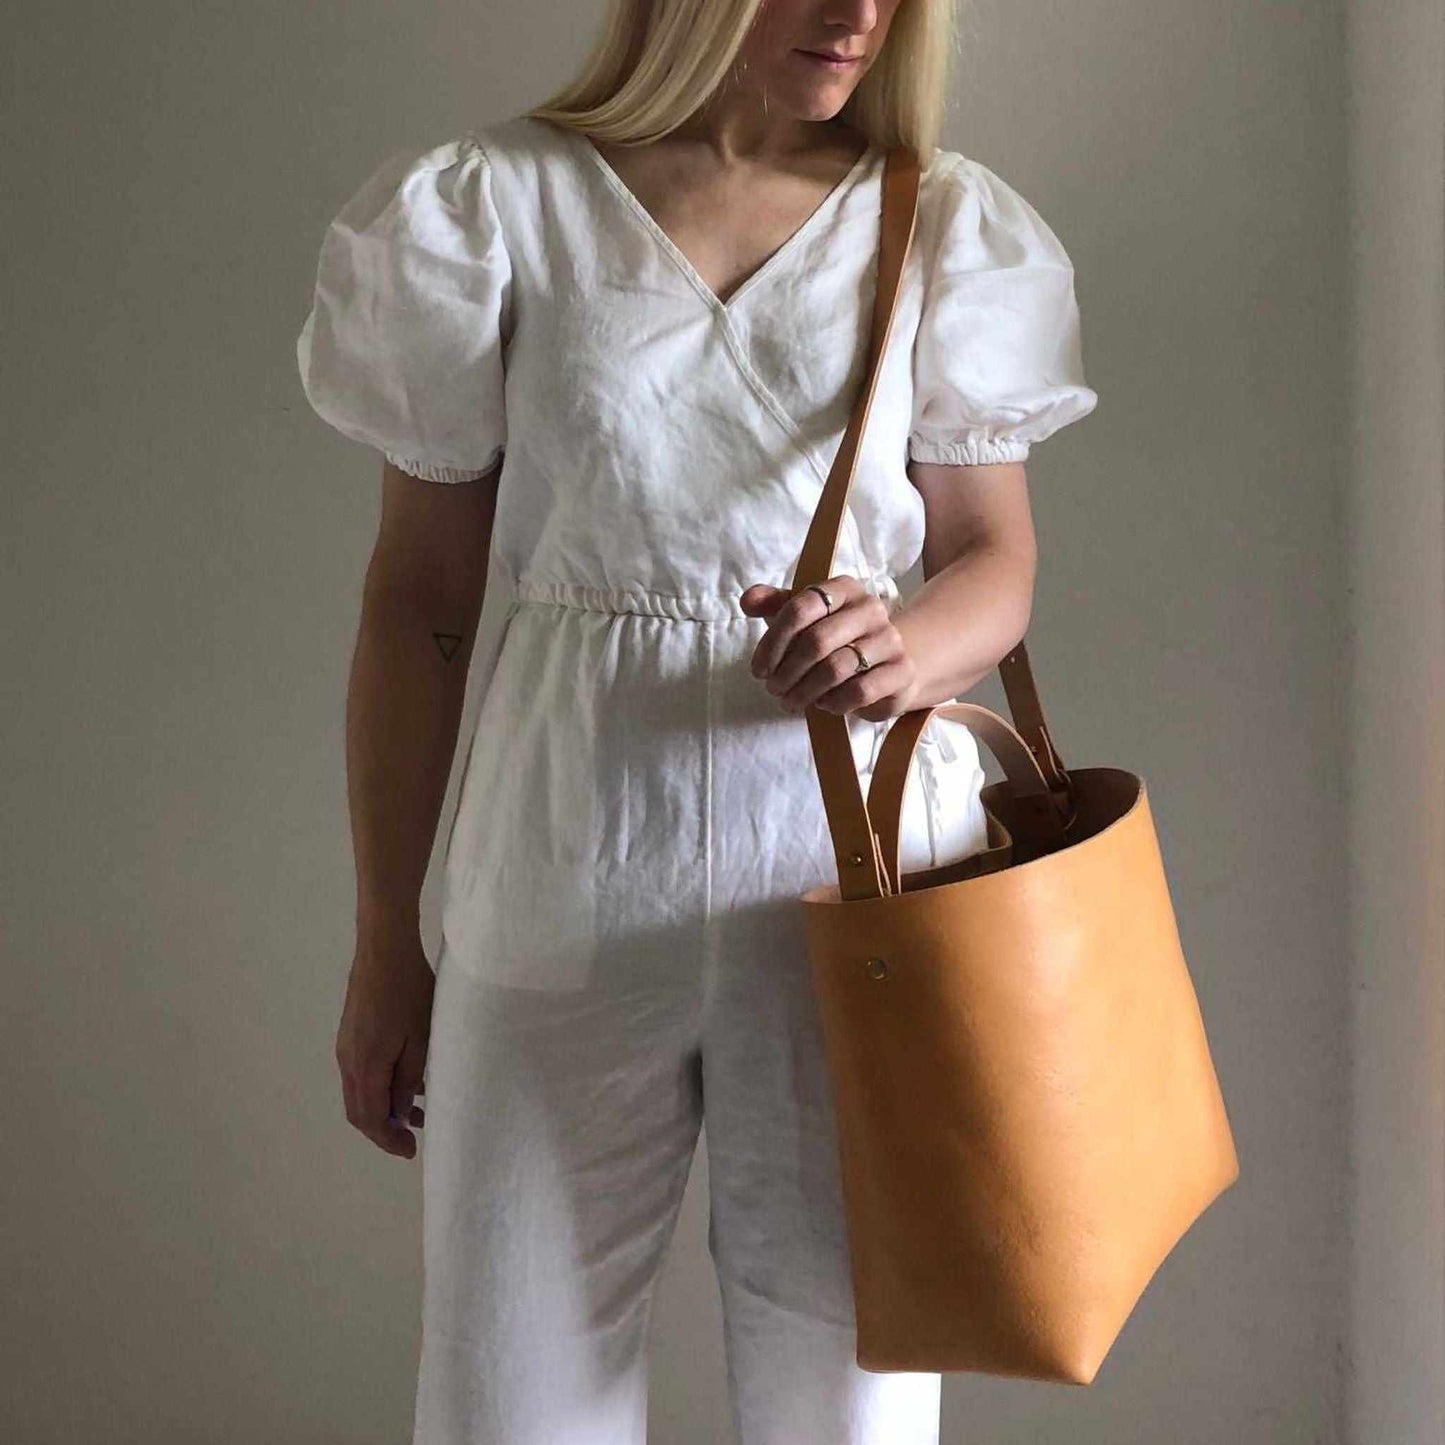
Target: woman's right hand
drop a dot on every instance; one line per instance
(381, 1044)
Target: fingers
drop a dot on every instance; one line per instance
(838, 684)
(762, 599)
(805, 658)
(877, 693)
(806, 609)
(406, 1084)
(372, 1087)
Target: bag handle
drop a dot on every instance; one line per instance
(1034, 820)
(866, 867)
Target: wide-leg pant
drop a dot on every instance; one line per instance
(559, 1131)
(624, 958)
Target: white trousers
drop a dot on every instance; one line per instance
(625, 955)
(559, 1131)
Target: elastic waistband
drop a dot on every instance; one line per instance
(696, 607)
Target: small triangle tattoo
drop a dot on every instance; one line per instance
(448, 642)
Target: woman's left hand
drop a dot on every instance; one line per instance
(807, 657)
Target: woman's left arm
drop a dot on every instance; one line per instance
(979, 560)
(978, 565)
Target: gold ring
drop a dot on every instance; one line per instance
(863, 663)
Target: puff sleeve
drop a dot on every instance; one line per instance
(403, 346)
(997, 358)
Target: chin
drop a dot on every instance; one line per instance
(822, 103)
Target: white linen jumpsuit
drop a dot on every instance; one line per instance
(622, 947)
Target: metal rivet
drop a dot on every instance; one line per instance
(877, 968)
(855, 858)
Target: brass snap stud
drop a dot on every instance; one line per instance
(877, 968)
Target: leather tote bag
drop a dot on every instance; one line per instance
(1028, 1114)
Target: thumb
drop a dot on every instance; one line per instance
(407, 1080)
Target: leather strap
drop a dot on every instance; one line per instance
(1034, 819)
(867, 852)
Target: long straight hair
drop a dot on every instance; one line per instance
(656, 62)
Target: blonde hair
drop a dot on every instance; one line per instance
(655, 62)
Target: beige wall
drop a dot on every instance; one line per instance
(1396, 528)
(196, 1244)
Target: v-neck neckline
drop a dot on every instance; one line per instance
(769, 266)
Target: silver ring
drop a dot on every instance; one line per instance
(863, 663)
(822, 592)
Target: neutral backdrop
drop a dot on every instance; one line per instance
(197, 1247)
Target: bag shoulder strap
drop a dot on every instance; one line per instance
(861, 867)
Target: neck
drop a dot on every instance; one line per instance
(736, 128)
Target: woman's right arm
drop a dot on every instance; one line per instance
(420, 608)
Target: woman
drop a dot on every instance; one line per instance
(608, 349)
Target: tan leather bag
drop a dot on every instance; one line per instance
(1028, 1113)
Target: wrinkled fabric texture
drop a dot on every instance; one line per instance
(623, 956)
